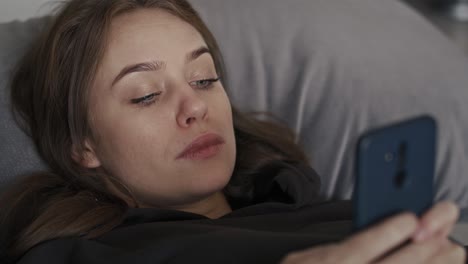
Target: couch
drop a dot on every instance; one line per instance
(330, 69)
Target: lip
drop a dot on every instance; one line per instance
(204, 146)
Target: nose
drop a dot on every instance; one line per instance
(192, 108)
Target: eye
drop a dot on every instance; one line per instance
(205, 83)
(147, 99)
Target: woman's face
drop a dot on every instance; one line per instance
(156, 92)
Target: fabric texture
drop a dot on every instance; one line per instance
(18, 155)
(262, 232)
(331, 69)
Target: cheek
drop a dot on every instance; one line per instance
(127, 139)
(225, 118)
(223, 105)
(136, 139)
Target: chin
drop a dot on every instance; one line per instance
(211, 182)
(195, 184)
(212, 176)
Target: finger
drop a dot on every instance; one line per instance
(322, 254)
(451, 253)
(415, 252)
(438, 220)
(381, 238)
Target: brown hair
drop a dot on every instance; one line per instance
(49, 93)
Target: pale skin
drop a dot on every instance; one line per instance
(426, 237)
(143, 120)
(139, 142)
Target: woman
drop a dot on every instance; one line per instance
(125, 101)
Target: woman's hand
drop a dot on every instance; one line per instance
(384, 243)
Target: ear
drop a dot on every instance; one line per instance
(88, 157)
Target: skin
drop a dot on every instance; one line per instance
(426, 237)
(139, 143)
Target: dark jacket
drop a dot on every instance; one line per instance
(288, 216)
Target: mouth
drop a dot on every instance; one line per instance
(203, 147)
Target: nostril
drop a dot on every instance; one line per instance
(190, 120)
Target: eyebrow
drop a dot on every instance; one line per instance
(157, 65)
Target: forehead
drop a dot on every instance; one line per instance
(150, 33)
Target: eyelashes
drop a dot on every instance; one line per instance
(206, 83)
(145, 99)
(151, 98)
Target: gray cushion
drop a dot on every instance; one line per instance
(18, 155)
(331, 69)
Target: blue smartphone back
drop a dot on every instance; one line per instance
(395, 171)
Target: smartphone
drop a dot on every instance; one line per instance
(394, 171)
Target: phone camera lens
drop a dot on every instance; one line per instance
(389, 157)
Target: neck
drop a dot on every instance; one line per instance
(212, 207)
